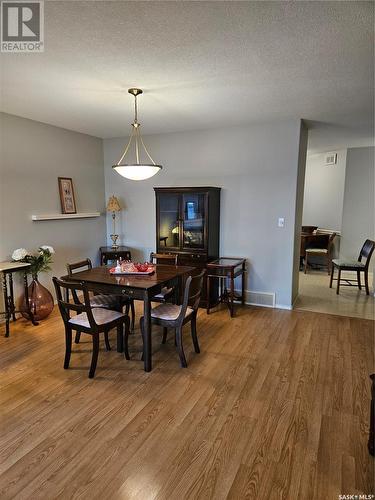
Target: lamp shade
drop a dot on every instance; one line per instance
(137, 172)
(113, 204)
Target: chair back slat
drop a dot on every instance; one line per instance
(192, 293)
(79, 307)
(366, 251)
(86, 264)
(164, 258)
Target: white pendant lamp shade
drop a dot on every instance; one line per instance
(138, 170)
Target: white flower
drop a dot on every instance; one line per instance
(19, 254)
(47, 247)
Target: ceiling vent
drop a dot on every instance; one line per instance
(331, 159)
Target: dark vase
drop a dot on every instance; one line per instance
(40, 301)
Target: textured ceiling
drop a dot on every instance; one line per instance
(201, 64)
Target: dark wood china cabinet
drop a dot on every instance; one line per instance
(188, 223)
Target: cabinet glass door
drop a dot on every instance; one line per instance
(169, 227)
(193, 215)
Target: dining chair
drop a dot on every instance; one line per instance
(325, 253)
(358, 266)
(109, 301)
(166, 293)
(92, 321)
(175, 316)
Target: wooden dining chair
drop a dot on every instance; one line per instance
(92, 321)
(325, 253)
(359, 266)
(175, 316)
(108, 301)
(166, 293)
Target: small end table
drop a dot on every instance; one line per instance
(109, 253)
(7, 269)
(223, 268)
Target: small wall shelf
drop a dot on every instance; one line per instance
(88, 215)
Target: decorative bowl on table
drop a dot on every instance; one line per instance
(131, 268)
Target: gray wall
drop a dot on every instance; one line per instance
(32, 156)
(255, 166)
(324, 191)
(358, 212)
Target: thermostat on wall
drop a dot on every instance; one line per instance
(331, 159)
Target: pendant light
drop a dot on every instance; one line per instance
(138, 170)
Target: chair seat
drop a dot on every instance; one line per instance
(316, 250)
(101, 316)
(106, 301)
(169, 312)
(348, 263)
(163, 293)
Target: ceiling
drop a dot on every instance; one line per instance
(201, 65)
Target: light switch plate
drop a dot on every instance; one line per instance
(281, 222)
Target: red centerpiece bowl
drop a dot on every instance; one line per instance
(142, 268)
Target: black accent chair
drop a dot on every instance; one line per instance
(354, 265)
(164, 258)
(175, 316)
(92, 321)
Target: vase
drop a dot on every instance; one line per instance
(40, 301)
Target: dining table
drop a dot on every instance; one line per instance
(141, 287)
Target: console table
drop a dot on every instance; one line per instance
(223, 268)
(109, 253)
(7, 269)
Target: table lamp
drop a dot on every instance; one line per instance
(113, 206)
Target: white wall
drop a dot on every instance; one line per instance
(32, 156)
(358, 212)
(255, 166)
(324, 191)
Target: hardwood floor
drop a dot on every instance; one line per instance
(275, 406)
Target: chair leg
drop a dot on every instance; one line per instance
(106, 340)
(95, 352)
(68, 346)
(366, 282)
(194, 333)
(126, 327)
(359, 279)
(141, 326)
(77, 337)
(180, 348)
(305, 266)
(165, 333)
(338, 282)
(133, 315)
(332, 272)
(329, 264)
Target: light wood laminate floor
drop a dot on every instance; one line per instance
(275, 406)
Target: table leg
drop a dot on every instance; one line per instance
(12, 307)
(243, 284)
(231, 308)
(28, 308)
(208, 293)
(147, 344)
(6, 305)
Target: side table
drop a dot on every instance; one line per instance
(109, 253)
(223, 268)
(7, 269)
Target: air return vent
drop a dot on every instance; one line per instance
(331, 159)
(264, 299)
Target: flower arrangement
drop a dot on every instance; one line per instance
(39, 262)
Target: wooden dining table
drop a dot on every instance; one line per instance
(142, 287)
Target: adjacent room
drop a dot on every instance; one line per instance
(186, 251)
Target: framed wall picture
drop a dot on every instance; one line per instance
(68, 202)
